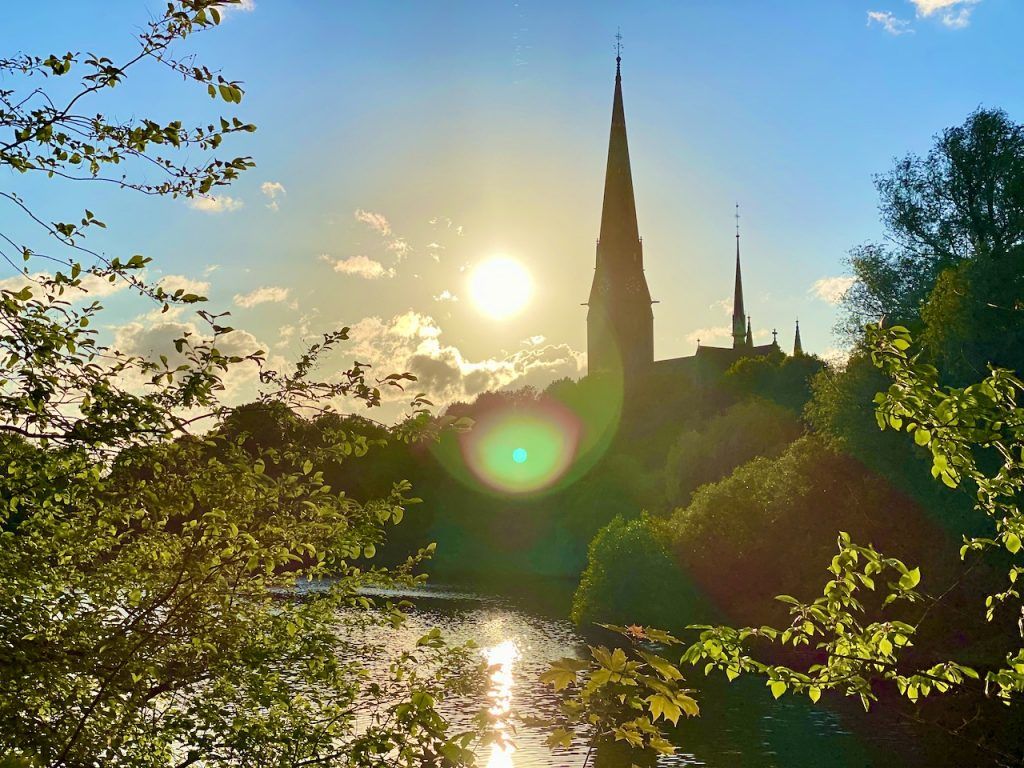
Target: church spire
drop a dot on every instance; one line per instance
(798, 347)
(738, 312)
(749, 340)
(618, 213)
(620, 323)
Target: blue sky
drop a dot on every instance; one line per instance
(400, 144)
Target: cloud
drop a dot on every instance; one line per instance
(360, 266)
(273, 190)
(172, 283)
(156, 337)
(399, 247)
(215, 204)
(832, 289)
(375, 221)
(264, 295)
(724, 305)
(836, 357)
(379, 223)
(412, 342)
(706, 335)
(209, 269)
(91, 286)
(955, 14)
(889, 22)
(446, 295)
(243, 6)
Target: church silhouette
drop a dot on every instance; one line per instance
(620, 321)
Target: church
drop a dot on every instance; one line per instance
(620, 319)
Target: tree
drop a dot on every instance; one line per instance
(962, 204)
(863, 634)
(751, 428)
(151, 548)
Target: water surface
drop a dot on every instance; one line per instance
(741, 725)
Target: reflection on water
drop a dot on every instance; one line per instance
(740, 726)
(502, 657)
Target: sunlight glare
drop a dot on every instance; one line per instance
(501, 656)
(500, 287)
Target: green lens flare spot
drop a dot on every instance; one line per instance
(519, 455)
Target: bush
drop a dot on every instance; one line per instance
(631, 576)
(748, 429)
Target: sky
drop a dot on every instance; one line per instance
(400, 145)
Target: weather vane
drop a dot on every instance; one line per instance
(618, 43)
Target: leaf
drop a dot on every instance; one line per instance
(777, 687)
(663, 667)
(1013, 542)
(560, 737)
(910, 579)
(663, 706)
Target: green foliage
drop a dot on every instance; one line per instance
(973, 433)
(170, 597)
(958, 208)
(751, 428)
(625, 694)
(783, 379)
(630, 572)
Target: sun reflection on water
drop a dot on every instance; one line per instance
(502, 657)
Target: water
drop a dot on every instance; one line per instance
(740, 725)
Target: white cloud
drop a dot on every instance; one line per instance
(215, 204)
(836, 357)
(245, 6)
(889, 22)
(209, 269)
(412, 342)
(375, 221)
(360, 266)
(156, 336)
(724, 305)
(264, 295)
(273, 190)
(955, 14)
(91, 286)
(832, 289)
(172, 283)
(446, 295)
(706, 336)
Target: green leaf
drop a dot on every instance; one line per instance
(910, 579)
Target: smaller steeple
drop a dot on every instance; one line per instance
(798, 347)
(749, 341)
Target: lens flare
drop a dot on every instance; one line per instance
(522, 443)
(521, 450)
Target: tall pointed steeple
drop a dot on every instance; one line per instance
(748, 340)
(798, 347)
(738, 312)
(618, 213)
(620, 323)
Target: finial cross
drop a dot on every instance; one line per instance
(737, 220)
(618, 43)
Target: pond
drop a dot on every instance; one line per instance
(740, 724)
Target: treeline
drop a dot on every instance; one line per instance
(951, 271)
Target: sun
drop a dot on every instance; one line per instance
(500, 287)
